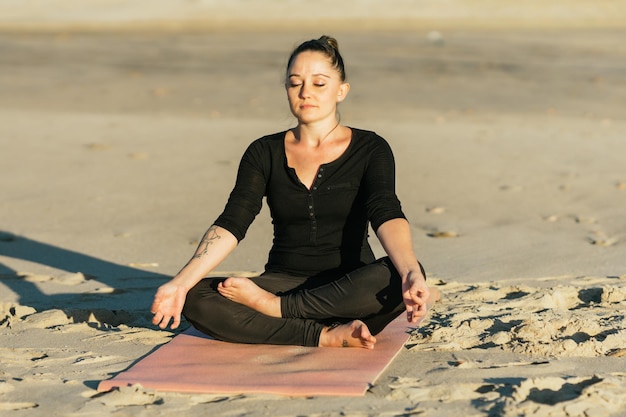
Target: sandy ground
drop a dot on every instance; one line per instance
(120, 148)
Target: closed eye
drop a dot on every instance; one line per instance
(293, 85)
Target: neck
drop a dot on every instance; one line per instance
(315, 134)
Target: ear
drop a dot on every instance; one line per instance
(343, 92)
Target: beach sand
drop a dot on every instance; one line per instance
(119, 148)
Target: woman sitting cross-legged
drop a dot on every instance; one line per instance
(325, 184)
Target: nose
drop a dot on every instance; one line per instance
(305, 91)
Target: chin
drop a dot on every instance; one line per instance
(309, 116)
(305, 118)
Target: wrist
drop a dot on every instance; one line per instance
(184, 282)
(410, 269)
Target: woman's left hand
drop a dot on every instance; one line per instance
(416, 294)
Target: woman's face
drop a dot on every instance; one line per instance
(314, 87)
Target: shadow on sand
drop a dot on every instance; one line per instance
(113, 293)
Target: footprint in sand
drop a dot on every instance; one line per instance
(69, 279)
(46, 319)
(9, 406)
(511, 188)
(98, 147)
(11, 313)
(138, 335)
(436, 210)
(442, 234)
(28, 317)
(416, 391)
(583, 219)
(5, 387)
(562, 321)
(598, 396)
(30, 358)
(601, 239)
(127, 396)
(91, 358)
(21, 356)
(552, 218)
(595, 237)
(613, 294)
(102, 317)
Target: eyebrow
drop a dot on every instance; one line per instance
(315, 75)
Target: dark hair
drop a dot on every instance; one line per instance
(326, 45)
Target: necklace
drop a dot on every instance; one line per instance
(328, 134)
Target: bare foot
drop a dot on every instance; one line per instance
(352, 334)
(245, 291)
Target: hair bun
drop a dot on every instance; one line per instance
(328, 46)
(330, 41)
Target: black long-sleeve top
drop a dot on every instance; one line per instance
(323, 228)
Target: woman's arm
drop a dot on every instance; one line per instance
(217, 243)
(395, 237)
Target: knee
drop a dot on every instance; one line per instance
(193, 303)
(200, 305)
(388, 271)
(212, 314)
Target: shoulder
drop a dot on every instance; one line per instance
(369, 139)
(368, 136)
(267, 143)
(269, 140)
(262, 153)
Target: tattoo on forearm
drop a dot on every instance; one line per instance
(208, 238)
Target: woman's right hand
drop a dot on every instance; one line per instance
(168, 305)
(169, 299)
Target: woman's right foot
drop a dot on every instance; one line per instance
(352, 334)
(244, 291)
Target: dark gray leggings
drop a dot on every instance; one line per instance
(372, 293)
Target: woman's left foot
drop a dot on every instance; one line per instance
(352, 334)
(245, 291)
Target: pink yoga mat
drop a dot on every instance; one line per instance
(194, 363)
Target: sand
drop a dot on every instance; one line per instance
(119, 148)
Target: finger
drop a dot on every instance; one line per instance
(414, 302)
(164, 322)
(155, 305)
(409, 314)
(415, 313)
(420, 299)
(416, 317)
(176, 322)
(424, 294)
(157, 318)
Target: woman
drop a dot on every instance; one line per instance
(324, 184)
